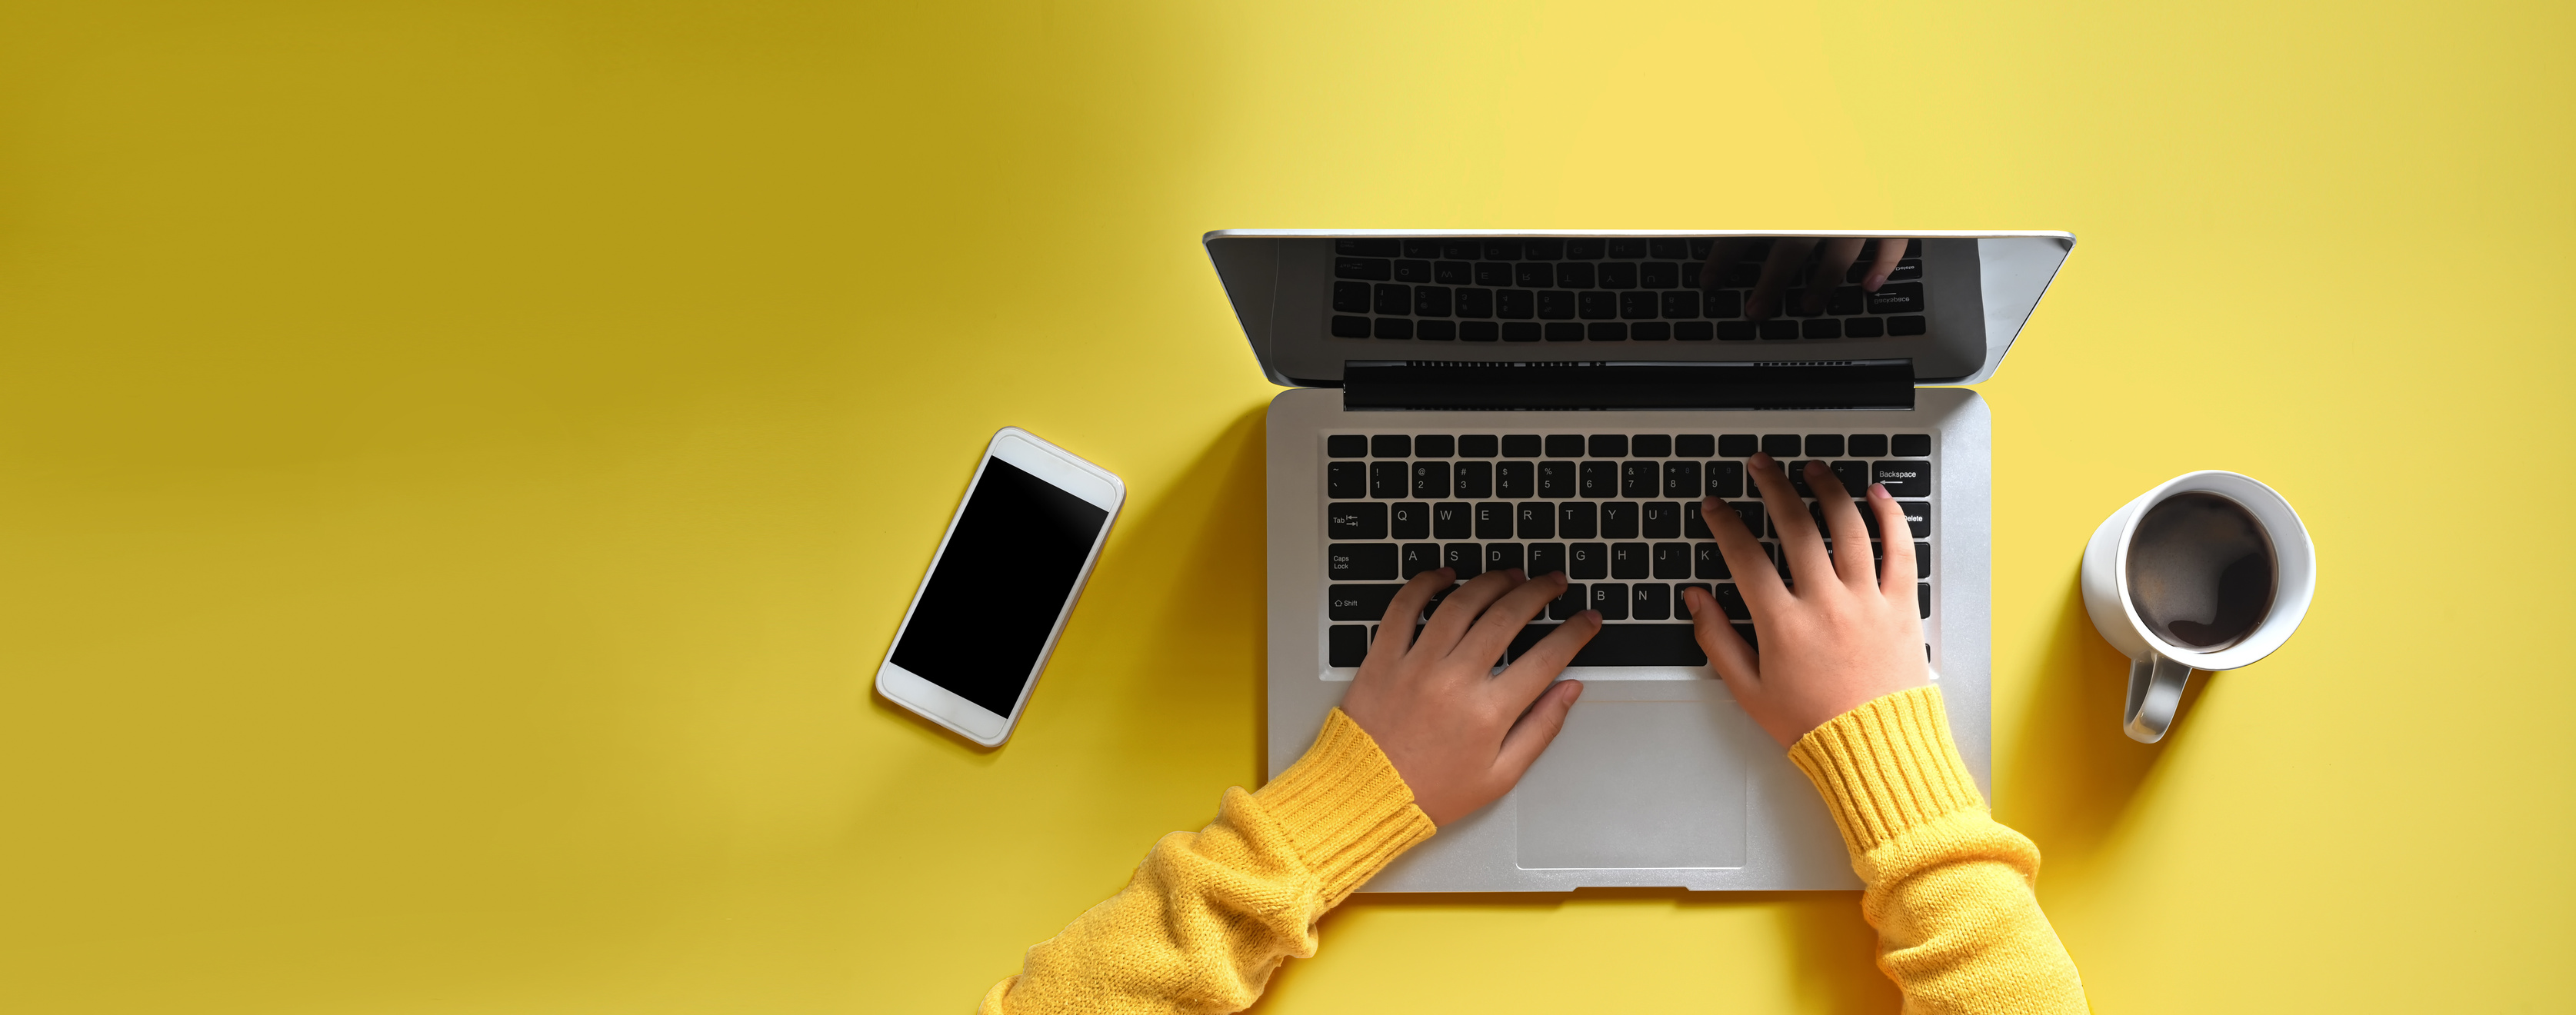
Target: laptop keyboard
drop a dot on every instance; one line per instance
(1618, 512)
(1634, 289)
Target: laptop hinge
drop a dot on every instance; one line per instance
(1439, 384)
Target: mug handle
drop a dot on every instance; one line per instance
(2155, 690)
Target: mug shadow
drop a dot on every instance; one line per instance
(2076, 770)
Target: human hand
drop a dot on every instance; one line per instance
(1842, 636)
(1786, 265)
(1459, 735)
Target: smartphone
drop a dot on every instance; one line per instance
(1006, 576)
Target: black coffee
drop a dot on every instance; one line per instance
(2201, 571)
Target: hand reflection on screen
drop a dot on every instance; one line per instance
(1815, 265)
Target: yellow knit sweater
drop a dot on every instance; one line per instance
(1209, 915)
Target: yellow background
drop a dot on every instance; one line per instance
(464, 460)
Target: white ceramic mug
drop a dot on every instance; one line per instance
(2158, 668)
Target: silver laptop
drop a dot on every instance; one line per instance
(1562, 400)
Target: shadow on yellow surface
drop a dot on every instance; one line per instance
(2078, 772)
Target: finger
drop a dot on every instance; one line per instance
(1723, 256)
(1843, 520)
(1529, 674)
(1896, 577)
(1890, 251)
(1536, 730)
(1788, 254)
(1799, 543)
(1395, 631)
(1456, 613)
(1754, 575)
(1503, 621)
(1733, 660)
(1833, 258)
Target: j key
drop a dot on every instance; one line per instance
(1368, 248)
(1869, 445)
(1585, 561)
(1681, 597)
(1347, 645)
(1431, 479)
(1630, 560)
(1452, 520)
(1521, 445)
(1681, 479)
(1357, 520)
(1516, 479)
(1726, 479)
(1707, 562)
(1346, 479)
(1353, 562)
(1351, 297)
(1904, 479)
(1546, 559)
(1564, 607)
(1366, 269)
(1412, 520)
(1600, 479)
(1611, 598)
(1910, 445)
(1638, 479)
(1578, 520)
(1388, 480)
(1475, 479)
(1460, 272)
(1651, 601)
(1619, 520)
(1493, 520)
(1897, 298)
(1536, 520)
(1467, 559)
(1419, 557)
(1660, 519)
(1672, 560)
(1359, 602)
(1413, 271)
(1489, 273)
(1502, 556)
(1557, 480)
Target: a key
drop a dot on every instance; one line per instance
(1639, 479)
(1630, 560)
(1619, 520)
(1438, 596)
(1822, 327)
(1798, 477)
(1651, 601)
(1910, 445)
(1475, 479)
(1606, 331)
(1358, 602)
(1502, 556)
(1419, 557)
(1726, 479)
(1356, 520)
(1681, 479)
(1521, 445)
(1346, 645)
(1724, 303)
(1650, 331)
(1583, 250)
(1745, 631)
(1546, 559)
(1422, 248)
(1577, 520)
(1557, 480)
(1368, 248)
(1736, 331)
(1536, 520)
(1467, 559)
(1493, 520)
(1394, 299)
(1904, 478)
(1516, 479)
(1672, 249)
(1410, 520)
(1845, 300)
(1346, 479)
(1608, 445)
(1692, 331)
(1452, 520)
(1918, 517)
(1751, 512)
(1357, 562)
(1651, 445)
(1599, 479)
(1388, 480)
(1671, 560)
(1868, 445)
(1584, 561)
(1430, 479)
(1694, 526)
(1365, 269)
(1436, 331)
(1611, 598)
(1461, 250)
(1627, 246)
(1779, 329)
(1543, 250)
(1708, 562)
(1391, 445)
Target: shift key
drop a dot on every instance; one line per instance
(1359, 602)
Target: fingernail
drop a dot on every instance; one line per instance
(1872, 283)
(1761, 460)
(1878, 491)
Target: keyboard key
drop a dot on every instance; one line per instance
(1358, 602)
(1575, 600)
(1534, 276)
(1422, 248)
(1707, 562)
(1496, 275)
(1671, 248)
(1555, 305)
(1739, 445)
(1922, 560)
(1419, 557)
(1725, 479)
(1820, 445)
(1452, 520)
(1911, 445)
(1671, 560)
(1475, 479)
(1351, 297)
(1750, 512)
(1388, 480)
(1637, 306)
(1639, 479)
(1798, 477)
(1641, 645)
(1368, 248)
(1564, 331)
(1434, 446)
(1918, 517)
(1694, 526)
(1543, 250)
(1350, 327)
(1365, 269)
(1521, 445)
(1346, 645)
(1494, 520)
(1565, 445)
(1596, 305)
(1438, 596)
(1578, 520)
(1536, 520)
(1515, 305)
(1394, 327)
(1904, 479)
(1556, 480)
(1359, 562)
(1900, 326)
(1606, 331)
(1682, 599)
(1583, 250)
(1430, 479)
(1737, 331)
(1681, 479)
(1923, 601)
(1779, 330)
(1460, 273)
(1518, 332)
(1460, 250)
(1659, 275)
(1630, 247)
(1864, 327)
(1346, 445)
(1616, 275)
(1502, 556)
(1475, 446)
(1416, 272)
(1607, 445)
(1435, 331)
(1868, 445)
(1660, 519)
(1897, 298)
(1629, 560)
(1781, 445)
(1730, 601)
(1651, 601)
(1516, 479)
(1431, 301)
(1546, 559)
(1745, 631)
(1502, 250)
(1611, 598)
(1475, 303)
(1618, 520)
(1600, 479)
(1844, 301)
(1411, 520)
(1587, 560)
(1468, 559)
(1694, 445)
(1391, 445)
(1693, 331)
(1650, 331)
(1682, 305)
(1855, 477)
(1723, 303)
(1822, 327)
(1576, 276)
(1346, 480)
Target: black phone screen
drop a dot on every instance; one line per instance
(996, 591)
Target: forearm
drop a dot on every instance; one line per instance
(1210, 915)
(1948, 888)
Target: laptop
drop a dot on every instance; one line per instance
(1557, 400)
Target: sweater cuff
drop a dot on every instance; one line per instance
(1887, 768)
(1345, 807)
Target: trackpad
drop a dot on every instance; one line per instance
(1638, 784)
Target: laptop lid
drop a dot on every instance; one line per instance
(1946, 315)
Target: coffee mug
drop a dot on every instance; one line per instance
(2208, 571)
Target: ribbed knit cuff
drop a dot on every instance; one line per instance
(1887, 767)
(1345, 807)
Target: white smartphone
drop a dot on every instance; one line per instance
(1014, 559)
